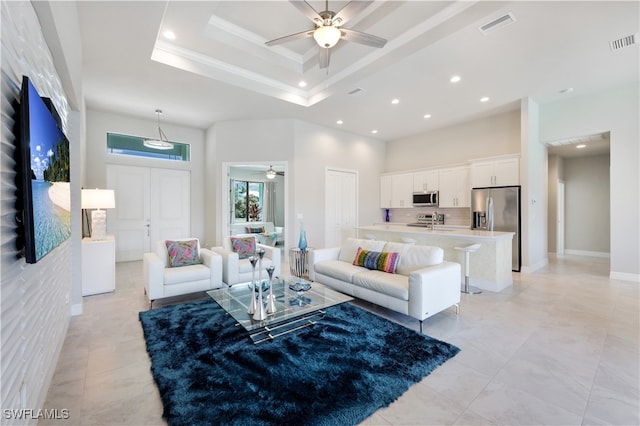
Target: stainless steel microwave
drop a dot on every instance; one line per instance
(428, 198)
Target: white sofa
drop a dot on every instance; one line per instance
(423, 285)
(236, 270)
(161, 280)
(271, 236)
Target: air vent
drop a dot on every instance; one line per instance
(623, 42)
(497, 23)
(357, 91)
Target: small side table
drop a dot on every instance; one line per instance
(98, 265)
(299, 262)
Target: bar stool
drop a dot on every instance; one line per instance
(468, 249)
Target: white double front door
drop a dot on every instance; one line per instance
(151, 204)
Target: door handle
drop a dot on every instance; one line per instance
(148, 226)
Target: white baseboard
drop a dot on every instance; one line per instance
(76, 309)
(624, 276)
(588, 253)
(528, 269)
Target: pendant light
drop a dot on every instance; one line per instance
(158, 143)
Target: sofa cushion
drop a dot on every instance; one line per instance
(186, 274)
(245, 246)
(382, 261)
(350, 247)
(338, 269)
(183, 252)
(394, 285)
(254, 229)
(413, 257)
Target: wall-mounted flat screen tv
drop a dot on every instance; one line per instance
(44, 179)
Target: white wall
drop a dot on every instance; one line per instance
(615, 110)
(317, 148)
(534, 196)
(35, 299)
(99, 123)
(492, 136)
(587, 205)
(308, 150)
(251, 141)
(554, 163)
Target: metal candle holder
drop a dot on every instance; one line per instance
(252, 304)
(271, 300)
(260, 314)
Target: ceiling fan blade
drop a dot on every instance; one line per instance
(323, 57)
(307, 11)
(290, 37)
(349, 11)
(362, 38)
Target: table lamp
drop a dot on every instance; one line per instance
(98, 199)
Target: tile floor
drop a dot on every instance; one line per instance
(561, 347)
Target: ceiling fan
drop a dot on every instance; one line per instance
(328, 30)
(271, 174)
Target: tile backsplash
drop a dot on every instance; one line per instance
(452, 216)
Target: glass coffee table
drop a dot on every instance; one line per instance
(299, 304)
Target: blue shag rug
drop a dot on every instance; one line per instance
(337, 372)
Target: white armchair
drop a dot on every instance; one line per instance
(236, 270)
(161, 280)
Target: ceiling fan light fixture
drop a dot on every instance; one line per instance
(271, 174)
(327, 36)
(158, 143)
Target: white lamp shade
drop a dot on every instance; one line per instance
(98, 199)
(326, 36)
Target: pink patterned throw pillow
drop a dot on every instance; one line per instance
(183, 253)
(244, 246)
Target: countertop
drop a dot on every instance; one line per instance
(440, 231)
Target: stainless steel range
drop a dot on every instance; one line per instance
(428, 220)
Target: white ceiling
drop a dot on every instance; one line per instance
(219, 69)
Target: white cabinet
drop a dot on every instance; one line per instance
(385, 192)
(98, 265)
(402, 190)
(502, 172)
(396, 190)
(454, 187)
(427, 180)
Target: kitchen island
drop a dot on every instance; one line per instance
(490, 266)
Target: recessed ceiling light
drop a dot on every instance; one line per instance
(455, 79)
(169, 35)
(302, 84)
(484, 99)
(339, 122)
(427, 116)
(374, 131)
(581, 146)
(395, 101)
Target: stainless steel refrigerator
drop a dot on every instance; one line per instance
(498, 209)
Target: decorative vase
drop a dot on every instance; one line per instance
(386, 215)
(271, 300)
(252, 304)
(302, 242)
